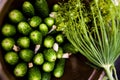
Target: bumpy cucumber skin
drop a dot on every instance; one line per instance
(26, 55)
(16, 16)
(50, 55)
(48, 66)
(49, 21)
(41, 7)
(11, 58)
(36, 37)
(20, 70)
(55, 7)
(38, 59)
(7, 44)
(46, 76)
(59, 69)
(28, 9)
(43, 29)
(48, 42)
(59, 53)
(8, 30)
(59, 38)
(24, 28)
(34, 74)
(23, 42)
(35, 21)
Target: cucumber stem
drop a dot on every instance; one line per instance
(109, 72)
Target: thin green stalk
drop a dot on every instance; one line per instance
(114, 71)
(109, 72)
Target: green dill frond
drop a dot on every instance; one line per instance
(98, 38)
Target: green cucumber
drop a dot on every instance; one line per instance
(50, 55)
(23, 42)
(49, 42)
(20, 69)
(41, 7)
(28, 9)
(46, 76)
(11, 58)
(8, 30)
(36, 37)
(38, 59)
(16, 16)
(24, 28)
(34, 73)
(49, 21)
(48, 66)
(55, 7)
(59, 53)
(43, 29)
(59, 68)
(59, 38)
(35, 21)
(26, 55)
(7, 44)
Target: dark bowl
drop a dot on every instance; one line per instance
(77, 66)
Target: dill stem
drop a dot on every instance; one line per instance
(109, 72)
(114, 71)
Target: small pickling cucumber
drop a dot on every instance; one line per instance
(28, 9)
(34, 73)
(7, 44)
(46, 76)
(48, 66)
(59, 68)
(24, 28)
(11, 58)
(26, 55)
(16, 16)
(50, 55)
(55, 7)
(43, 29)
(49, 21)
(49, 42)
(8, 30)
(36, 37)
(38, 59)
(35, 21)
(20, 69)
(41, 7)
(23, 42)
(59, 53)
(59, 38)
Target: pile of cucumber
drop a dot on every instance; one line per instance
(31, 44)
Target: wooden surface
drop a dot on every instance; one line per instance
(2, 3)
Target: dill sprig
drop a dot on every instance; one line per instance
(94, 31)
